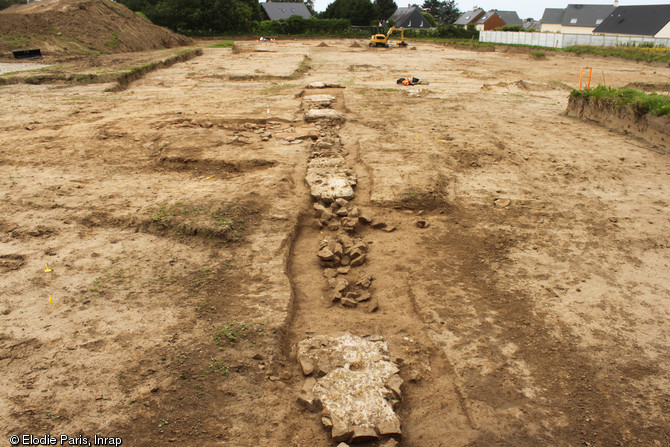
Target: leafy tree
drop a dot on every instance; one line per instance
(445, 12)
(429, 17)
(432, 7)
(7, 3)
(200, 16)
(449, 12)
(359, 12)
(386, 8)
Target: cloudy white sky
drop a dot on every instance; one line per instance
(525, 8)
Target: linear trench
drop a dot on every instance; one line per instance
(346, 279)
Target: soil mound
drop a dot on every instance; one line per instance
(355, 45)
(323, 44)
(81, 27)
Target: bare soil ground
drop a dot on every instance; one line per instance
(158, 251)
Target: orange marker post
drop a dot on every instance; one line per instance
(588, 86)
(581, 73)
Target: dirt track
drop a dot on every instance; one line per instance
(532, 310)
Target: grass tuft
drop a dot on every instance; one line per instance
(639, 101)
(222, 44)
(658, 54)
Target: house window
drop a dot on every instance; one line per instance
(421, 23)
(409, 24)
(573, 21)
(599, 21)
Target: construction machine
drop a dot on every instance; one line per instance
(379, 39)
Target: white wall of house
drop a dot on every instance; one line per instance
(578, 29)
(664, 32)
(552, 28)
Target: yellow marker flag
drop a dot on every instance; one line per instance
(51, 301)
(207, 178)
(47, 269)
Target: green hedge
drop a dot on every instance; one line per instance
(297, 25)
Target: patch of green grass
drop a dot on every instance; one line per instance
(112, 43)
(225, 221)
(222, 44)
(275, 88)
(234, 333)
(142, 15)
(659, 54)
(217, 366)
(302, 68)
(161, 214)
(639, 101)
(538, 53)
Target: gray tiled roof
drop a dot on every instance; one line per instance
(468, 17)
(586, 15)
(509, 17)
(552, 15)
(280, 10)
(643, 20)
(409, 18)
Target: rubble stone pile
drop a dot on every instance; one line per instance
(350, 379)
(354, 385)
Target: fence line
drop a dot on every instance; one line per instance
(560, 40)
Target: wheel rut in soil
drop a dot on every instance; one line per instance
(351, 298)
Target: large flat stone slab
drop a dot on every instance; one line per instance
(329, 115)
(319, 101)
(325, 85)
(354, 383)
(329, 178)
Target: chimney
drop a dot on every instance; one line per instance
(616, 3)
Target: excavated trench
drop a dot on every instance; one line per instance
(371, 372)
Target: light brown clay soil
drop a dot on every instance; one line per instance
(534, 309)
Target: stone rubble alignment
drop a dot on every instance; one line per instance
(358, 387)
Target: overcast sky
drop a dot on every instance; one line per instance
(525, 8)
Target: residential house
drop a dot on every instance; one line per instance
(576, 19)
(469, 18)
(551, 20)
(281, 10)
(409, 18)
(495, 19)
(643, 20)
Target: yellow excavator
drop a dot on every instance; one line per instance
(379, 39)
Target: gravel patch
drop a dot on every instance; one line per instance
(21, 66)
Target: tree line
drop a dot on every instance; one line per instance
(211, 17)
(244, 16)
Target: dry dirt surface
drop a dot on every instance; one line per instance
(158, 250)
(67, 27)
